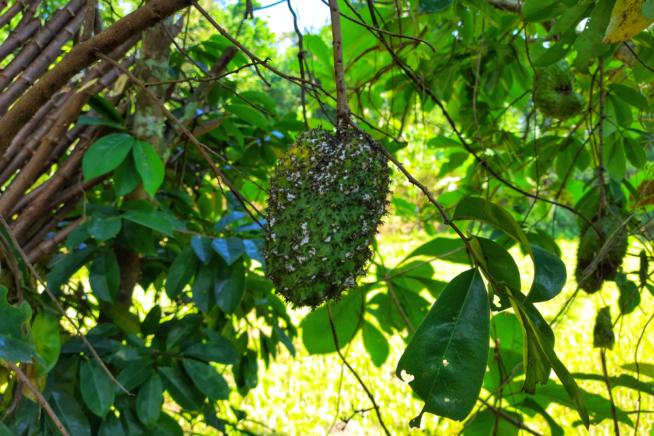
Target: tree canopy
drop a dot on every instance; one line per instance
(144, 147)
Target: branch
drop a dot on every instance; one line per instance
(80, 57)
(38, 395)
(342, 107)
(363, 385)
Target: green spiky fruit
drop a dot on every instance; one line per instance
(554, 93)
(326, 200)
(590, 245)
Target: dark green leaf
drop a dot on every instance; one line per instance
(202, 247)
(104, 227)
(210, 382)
(16, 350)
(104, 276)
(181, 271)
(630, 96)
(154, 222)
(549, 276)
(106, 154)
(104, 108)
(182, 330)
(643, 368)
(629, 296)
(111, 426)
(97, 387)
(376, 344)
(126, 176)
(229, 249)
(68, 266)
(285, 340)
(70, 415)
(230, 286)
(473, 208)
(85, 120)
(166, 426)
(448, 354)
(149, 165)
(151, 322)
(635, 152)
(249, 115)
(150, 400)
(228, 219)
(218, 349)
(433, 5)
(441, 248)
(181, 389)
(134, 374)
(589, 43)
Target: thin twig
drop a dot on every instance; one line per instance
(56, 302)
(356, 375)
(399, 308)
(508, 418)
(600, 154)
(193, 139)
(608, 387)
(38, 395)
(642, 334)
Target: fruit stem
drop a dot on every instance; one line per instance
(342, 106)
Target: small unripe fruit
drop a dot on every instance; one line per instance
(555, 94)
(326, 200)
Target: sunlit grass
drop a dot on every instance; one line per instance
(305, 395)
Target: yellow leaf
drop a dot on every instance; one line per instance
(627, 21)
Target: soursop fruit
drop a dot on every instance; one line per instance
(554, 93)
(326, 200)
(590, 245)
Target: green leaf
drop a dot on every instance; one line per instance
(643, 368)
(149, 166)
(537, 11)
(228, 219)
(441, 247)
(202, 247)
(589, 43)
(106, 154)
(316, 328)
(97, 387)
(376, 344)
(635, 152)
(455, 161)
(561, 371)
(104, 276)
(487, 424)
(166, 426)
(134, 375)
(473, 208)
(229, 249)
(448, 354)
(249, 115)
(47, 342)
(104, 227)
(204, 284)
(230, 286)
(629, 95)
(181, 271)
(210, 382)
(15, 350)
(433, 5)
(151, 221)
(150, 324)
(104, 108)
(182, 330)
(111, 426)
(500, 263)
(629, 296)
(218, 349)
(150, 400)
(126, 176)
(69, 265)
(69, 413)
(549, 276)
(15, 321)
(121, 316)
(555, 428)
(85, 120)
(285, 339)
(615, 160)
(181, 389)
